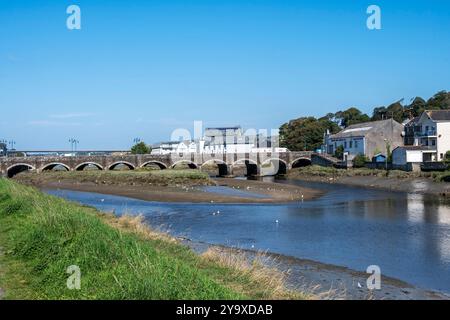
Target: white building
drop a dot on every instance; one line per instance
(369, 138)
(432, 130)
(409, 157)
(220, 141)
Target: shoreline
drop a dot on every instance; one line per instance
(416, 185)
(327, 281)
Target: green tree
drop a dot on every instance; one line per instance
(305, 133)
(339, 152)
(140, 148)
(350, 116)
(440, 100)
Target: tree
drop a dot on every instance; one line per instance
(339, 152)
(140, 148)
(440, 100)
(305, 133)
(351, 116)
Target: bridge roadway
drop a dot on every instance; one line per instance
(254, 162)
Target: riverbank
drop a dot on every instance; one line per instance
(325, 281)
(169, 186)
(119, 258)
(423, 183)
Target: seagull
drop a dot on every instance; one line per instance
(359, 285)
(102, 200)
(276, 221)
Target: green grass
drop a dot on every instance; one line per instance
(41, 236)
(168, 177)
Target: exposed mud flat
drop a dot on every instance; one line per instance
(185, 191)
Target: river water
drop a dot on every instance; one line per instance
(406, 235)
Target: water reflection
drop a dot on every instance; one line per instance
(407, 235)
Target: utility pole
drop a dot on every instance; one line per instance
(12, 143)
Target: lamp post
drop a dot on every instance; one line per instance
(12, 143)
(73, 143)
(386, 161)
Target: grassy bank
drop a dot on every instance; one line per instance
(169, 177)
(333, 173)
(119, 258)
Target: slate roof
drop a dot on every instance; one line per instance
(361, 129)
(439, 115)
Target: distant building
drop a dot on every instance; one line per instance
(432, 131)
(3, 149)
(368, 138)
(219, 141)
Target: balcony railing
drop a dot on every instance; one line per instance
(427, 133)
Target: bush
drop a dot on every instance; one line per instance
(339, 153)
(359, 161)
(447, 157)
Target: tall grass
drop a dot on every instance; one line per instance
(119, 258)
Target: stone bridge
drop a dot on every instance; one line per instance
(254, 163)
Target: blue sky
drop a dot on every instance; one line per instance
(145, 68)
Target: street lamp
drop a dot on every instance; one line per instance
(12, 143)
(73, 143)
(386, 161)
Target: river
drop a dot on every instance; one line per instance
(406, 235)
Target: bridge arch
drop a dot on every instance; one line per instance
(221, 165)
(160, 164)
(192, 165)
(18, 168)
(126, 163)
(301, 162)
(251, 166)
(51, 166)
(83, 165)
(277, 167)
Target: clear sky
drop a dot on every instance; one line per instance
(145, 68)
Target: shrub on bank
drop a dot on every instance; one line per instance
(359, 161)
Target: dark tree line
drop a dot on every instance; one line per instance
(306, 133)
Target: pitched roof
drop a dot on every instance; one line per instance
(439, 115)
(361, 129)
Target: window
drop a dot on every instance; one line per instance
(356, 144)
(433, 142)
(441, 156)
(351, 144)
(345, 144)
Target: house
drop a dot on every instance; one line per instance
(411, 129)
(368, 138)
(432, 130)
(409, 158)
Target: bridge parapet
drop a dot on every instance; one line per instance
(195, 160)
